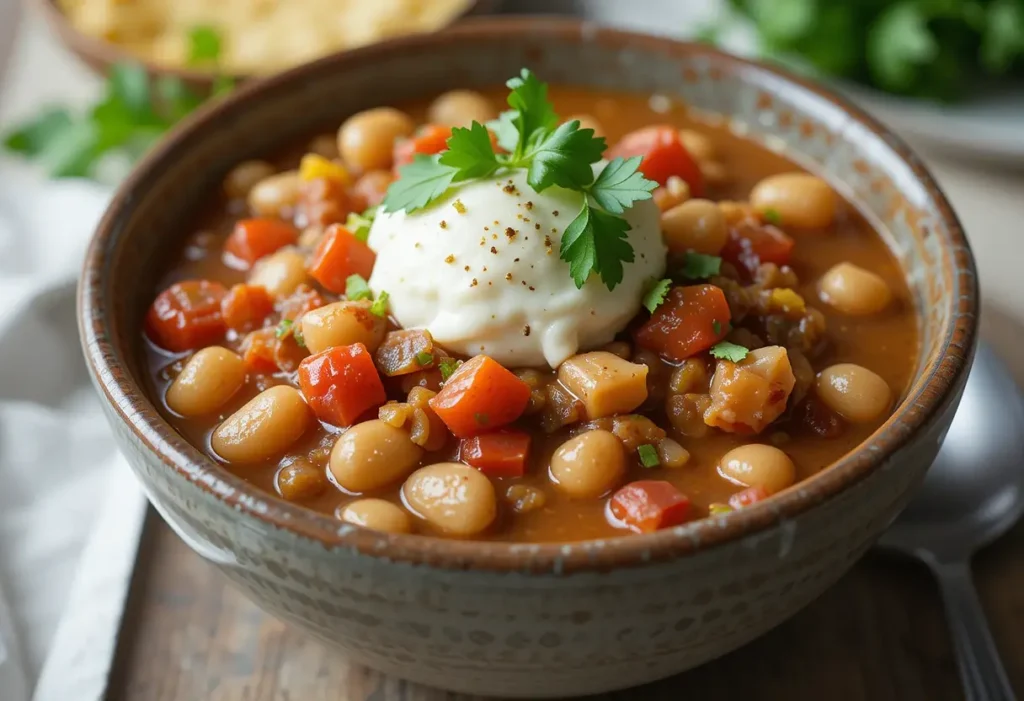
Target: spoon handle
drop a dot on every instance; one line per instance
(977, 657)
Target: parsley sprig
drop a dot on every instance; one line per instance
(552, 154)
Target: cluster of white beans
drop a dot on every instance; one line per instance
(456, 499)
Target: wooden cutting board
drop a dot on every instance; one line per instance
(879, 634)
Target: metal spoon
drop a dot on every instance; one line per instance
(972, 495)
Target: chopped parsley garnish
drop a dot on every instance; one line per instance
(284, 328)
(656, 294)
(716, 326)
(729, 351)
(448, 366)
(697, 266)
(424, 358)
(359, 224)
(204, 45)
(719, 509)
(772, 216)
(297, 335)
(552, 154)
(380, 305)
(356, 288)
(648, 456)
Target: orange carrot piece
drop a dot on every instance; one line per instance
(650, 505)
(187, 315)
(479, 397)
(259, 351)
(254, 238)
(663, 156)
(338, 255)
(341, 384)
(500, 454)
(245, 307)
(690, 320)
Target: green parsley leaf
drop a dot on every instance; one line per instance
(621, 184)
(470, 152)
(31, 137)
(648, 455)
(222, 85)
(697, 266)
(448, 366)
(297, 335)
(356, 288)
(72, 152)
(419, 183)
(176, 98)
(595, 241)
(716, 326)
(535, 115)
(565, 158)
(656, 294)
(359, 224)
(380, 305)
(284, 328)
(729, 351)
(772, 216)
(204, 45)
(718, 509)
(504, 128)
(128, 83)
(423, 359)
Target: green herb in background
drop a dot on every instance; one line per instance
(938, 49)
(134, 113)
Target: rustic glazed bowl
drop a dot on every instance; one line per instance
(514, 619)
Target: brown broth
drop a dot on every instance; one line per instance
(886, 343)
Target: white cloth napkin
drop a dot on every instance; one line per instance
(64, 490)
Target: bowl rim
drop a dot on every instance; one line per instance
(944, 375)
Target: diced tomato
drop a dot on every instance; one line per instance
(326, 201)
(303, 299)
(689, 321)
(747, 497)
(663, 156)
(254, 238)
(479, 397)
(430, 139)
(259, 351)
(751, 244)
(338, 255)
(245, 307)
(187, 315)
(500, 454)
(649, 505)
(341, 383)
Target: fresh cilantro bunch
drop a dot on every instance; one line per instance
(553, 154)
(134, 113)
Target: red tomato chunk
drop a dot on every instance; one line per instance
(650, 505)
(246, 307)
(254, 238)
(691, 320)
(341, 383)
(663, 156)
(429, 140)
(338, 255)
(751, 244)
(187, 315)
(500, 454)
(479, 397)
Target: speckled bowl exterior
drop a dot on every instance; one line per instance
(534, 620)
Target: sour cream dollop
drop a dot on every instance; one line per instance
(480, 269)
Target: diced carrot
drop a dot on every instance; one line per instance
(430, 139)
(187, 315)
(663, 156)
(338, 255)
(341, 383)
(500, 454)
(751, 244)
(259, 351)
(649, 505)
(479, 397)
(303, 299)
(747, 497)
(691, 320)
(254, 238)
(245, 307)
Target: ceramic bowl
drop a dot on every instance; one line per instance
(513, 619)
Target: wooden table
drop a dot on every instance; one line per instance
(877, 635)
